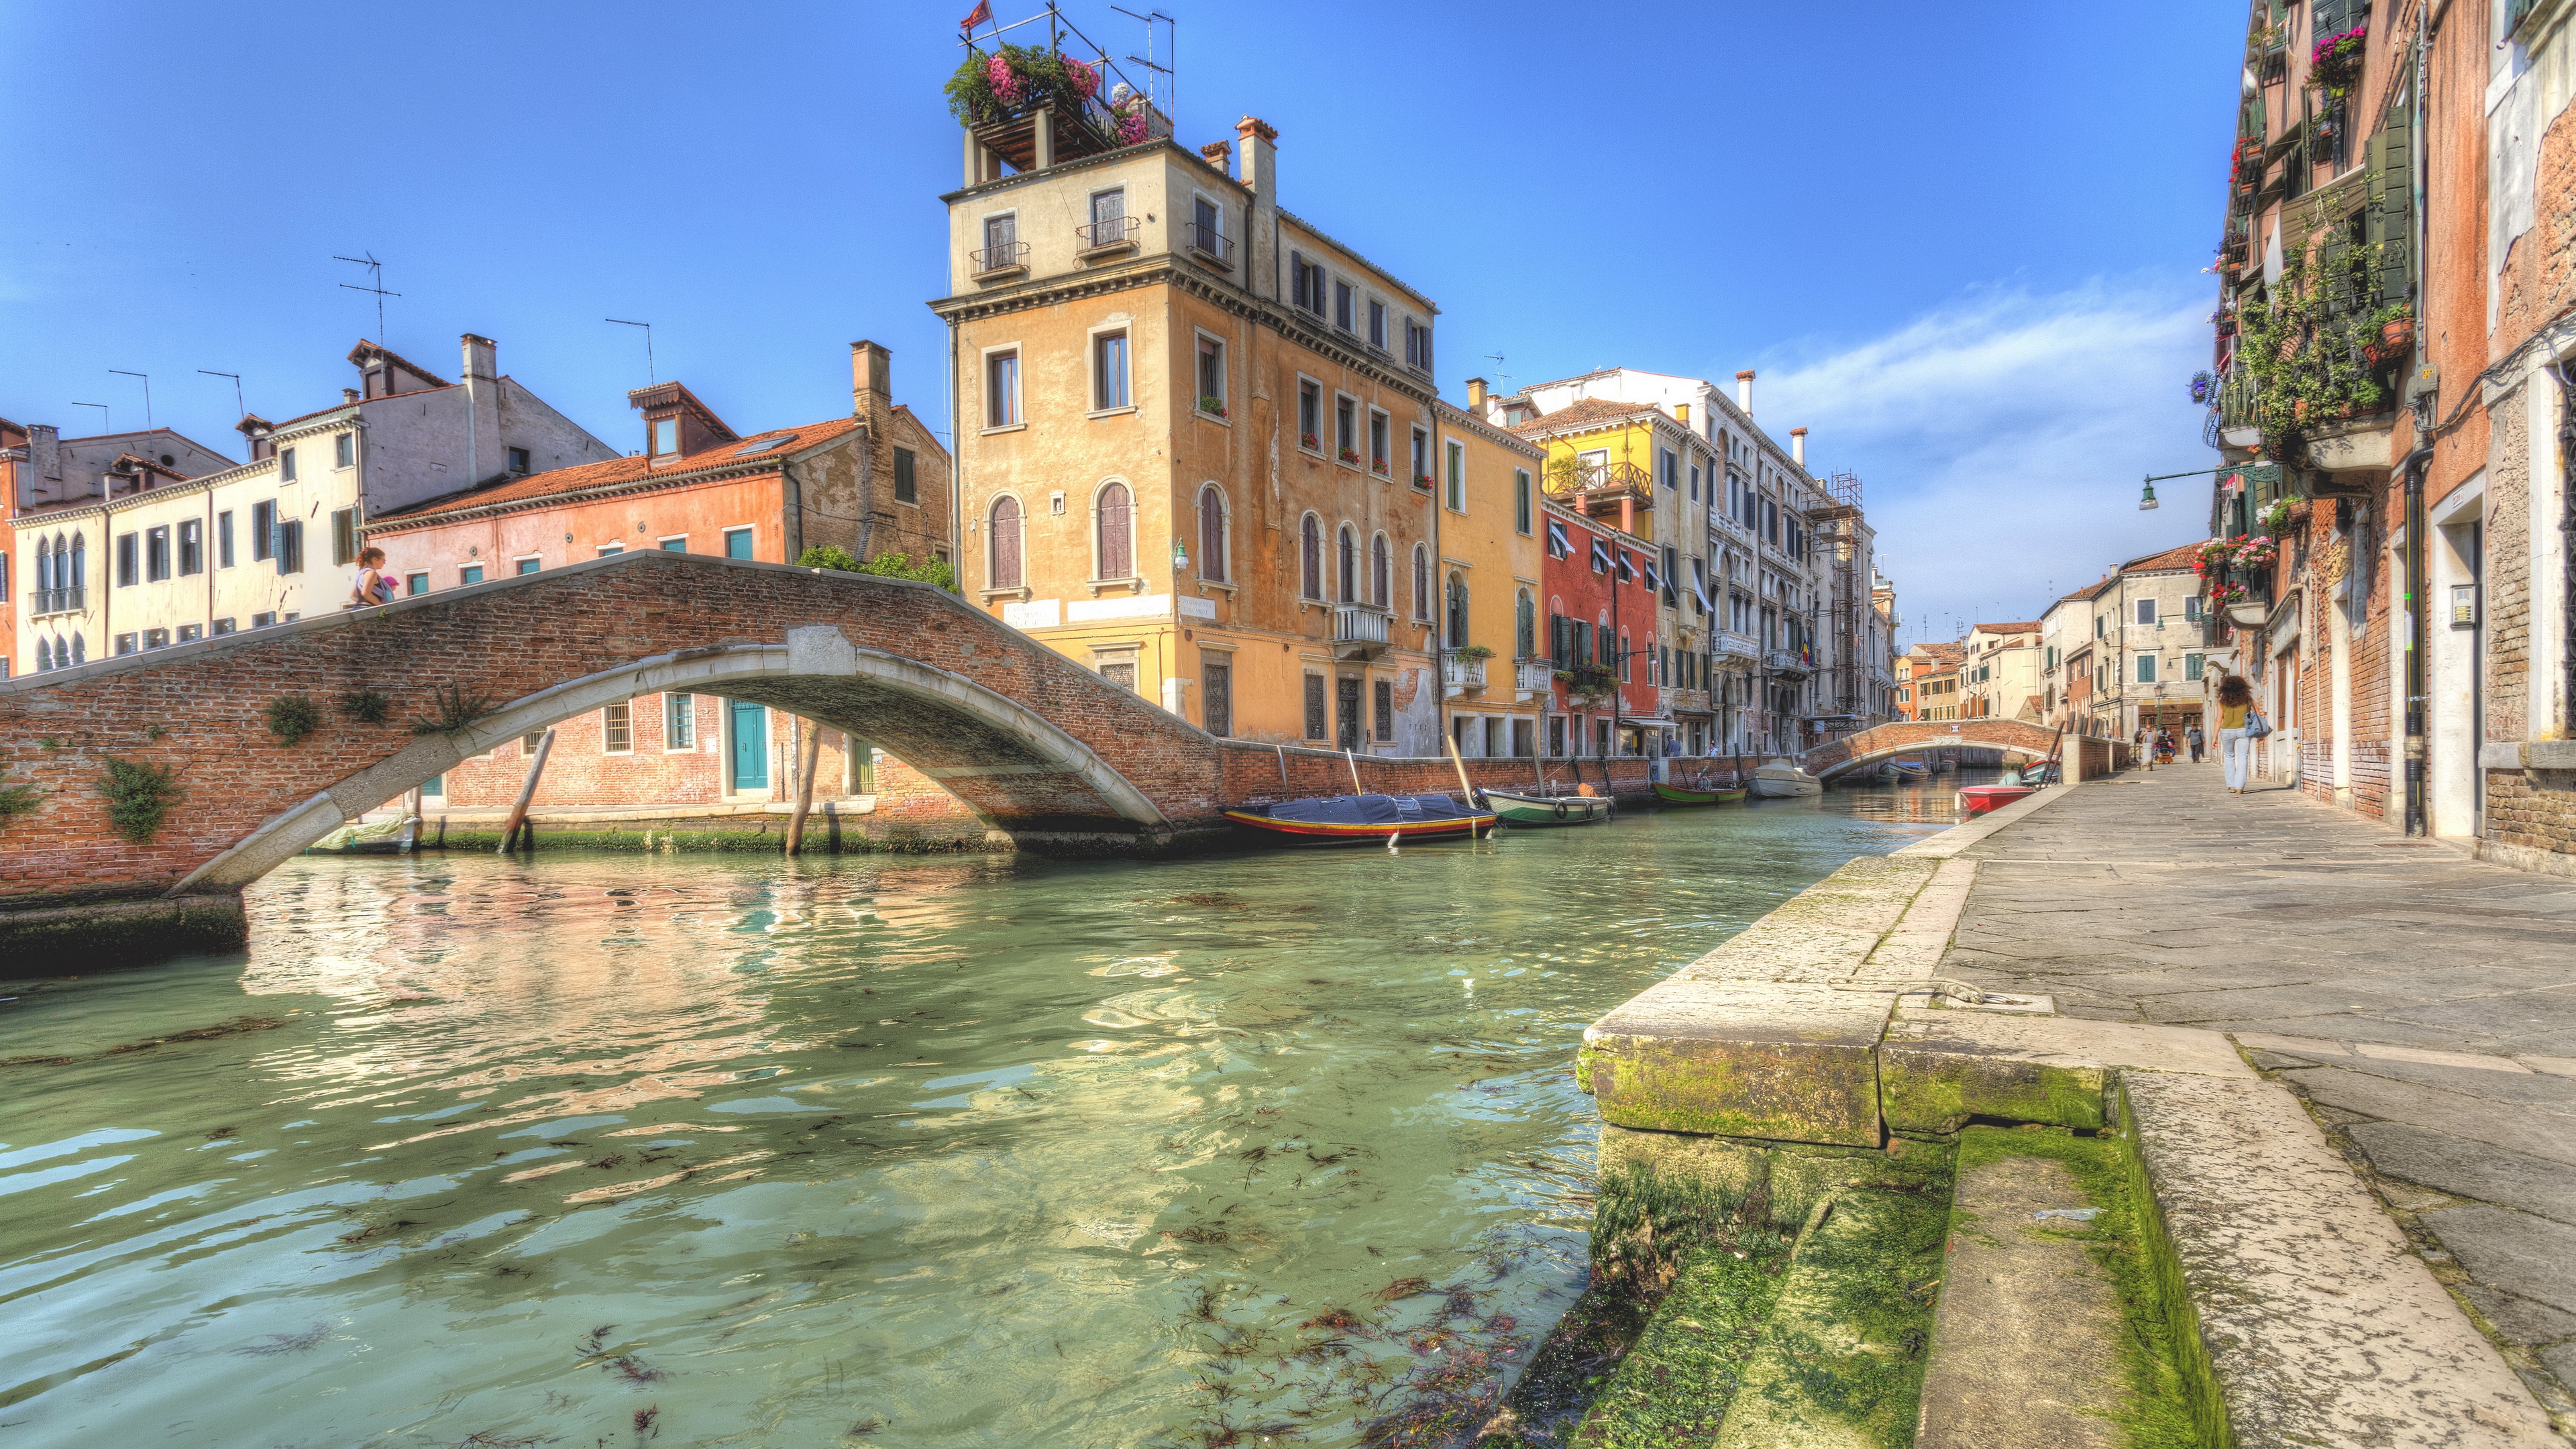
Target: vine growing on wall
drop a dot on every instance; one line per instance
(366, 706)
(2313, 364)
(17, 800)
(291, 717)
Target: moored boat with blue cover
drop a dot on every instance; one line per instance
(1364, 819)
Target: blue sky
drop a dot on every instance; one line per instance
(1963, 244)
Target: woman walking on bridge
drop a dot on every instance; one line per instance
(2235, 751)
(372, 586)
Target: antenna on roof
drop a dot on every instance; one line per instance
(237, 388)
(1170, 103)
(1497, 359)
(375, 284)
(106, 420)
(147, 391)
(650, 375)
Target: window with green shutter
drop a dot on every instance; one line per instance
(2388, 217)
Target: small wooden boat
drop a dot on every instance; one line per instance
(1910, 770)
(382, 837)
(1978, 799)
(1783, 780)
(1547, 810)
(1685, 795)
(1364, 819)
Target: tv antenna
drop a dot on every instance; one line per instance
(1171, 51)
(650, 376)
(147, 391)
(106, 420)
(1497, 359)
(237, 388)
(376, 285)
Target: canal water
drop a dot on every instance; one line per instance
(962, 1151)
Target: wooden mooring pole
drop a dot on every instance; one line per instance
(527, 791)
(811, 757)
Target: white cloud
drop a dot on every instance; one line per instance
(2001, 442)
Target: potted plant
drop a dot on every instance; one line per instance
(1310, 441)
(1475, 651)
(1377, 465)
(1422, 480)
(1351, 456)
(2395, 326)
(2335, 63)
(2204, 387)
(1212, 406)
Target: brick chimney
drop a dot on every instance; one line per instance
(1744, 391)
(1219, 154)
(1798, 446)
(44, 466)
(1260, 174)
(872, 403)
(872, 386)
(1476, 396)
(483, 402)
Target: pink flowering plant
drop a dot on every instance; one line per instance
(1016, 79)
(2336, 62)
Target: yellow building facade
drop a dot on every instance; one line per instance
(1496, 681)
(1197, 442)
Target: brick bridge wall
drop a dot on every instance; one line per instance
(1834, 756)
(1034, 743)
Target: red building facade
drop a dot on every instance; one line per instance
(1601, 634)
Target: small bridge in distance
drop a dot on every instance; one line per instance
(1899, 738)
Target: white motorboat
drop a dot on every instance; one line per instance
(1783, 780)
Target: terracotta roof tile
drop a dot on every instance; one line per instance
(612, 472)
(2180, 557)
(1586, 410)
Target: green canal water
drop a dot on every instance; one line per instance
(603, 1150)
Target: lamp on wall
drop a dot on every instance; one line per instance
(1180, 555)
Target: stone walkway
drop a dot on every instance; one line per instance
(2423, 1003)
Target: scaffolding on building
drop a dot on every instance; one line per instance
(1838, 525)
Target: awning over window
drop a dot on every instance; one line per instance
(1600, 557)
(1654, 580)
(1627, 568)
(1558, 546)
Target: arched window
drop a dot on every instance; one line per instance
(1117, 555)
(1603, 646)
(1525, 627)
(1347, 559)
(1623, 656)
(1377, 570)
(1212, 533)
(1421, 582)
(1005, 543)
(44, 647)
(1310, 558)
(1457, 612)
(44, 575)
(80, 647)
(80, 568)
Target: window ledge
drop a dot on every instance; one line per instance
(1005, 428)
(1217, 584)
(1136, 585)
(1203, 415)
(1112, 412)
(989, 595)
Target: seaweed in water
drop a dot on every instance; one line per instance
(634, 1370)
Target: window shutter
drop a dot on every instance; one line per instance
(2333, 262)
(2387, 221)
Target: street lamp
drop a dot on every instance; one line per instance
(2147, 501)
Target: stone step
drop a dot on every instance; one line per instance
(2026, 1349)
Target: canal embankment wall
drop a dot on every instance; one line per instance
(1815, 1065)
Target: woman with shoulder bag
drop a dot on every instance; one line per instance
(2239, 726)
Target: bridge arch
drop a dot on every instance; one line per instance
(816, 674)
(1044, 750)
(1899, 738)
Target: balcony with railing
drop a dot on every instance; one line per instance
(41, 602)
(1733, 650)
(1056, 111)
(1209, 245)
(1600, 488)
(1533, 677)
(1788, 664)
(1460, 672)
(999, 261)
(1105, 237)
(1360, 631)
(1685, 701)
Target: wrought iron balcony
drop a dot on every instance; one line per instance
(1788, 664)
(41, 602)
(996, 260)
(1209, 245)
(1460, 673)
(1117, 233)
(1359, 631)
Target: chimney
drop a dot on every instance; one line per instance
(482, 412)
(1476, 396)
(348, 395)
(1744, 391)
(1219, 154)
(1260, 174)
(872, 386)
(1798, 446)
(1681, 414)
(479, 353)
(45, 451)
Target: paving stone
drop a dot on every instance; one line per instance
(2561, 1361)
(2518, 1318)
(2500, 1246)
(2462, 1114)
(2469, 1169)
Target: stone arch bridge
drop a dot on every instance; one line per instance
(1043, 749)
(1913, 737)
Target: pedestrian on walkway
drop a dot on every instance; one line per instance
(2235, 701)
(2198, 740)
(372, 586)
